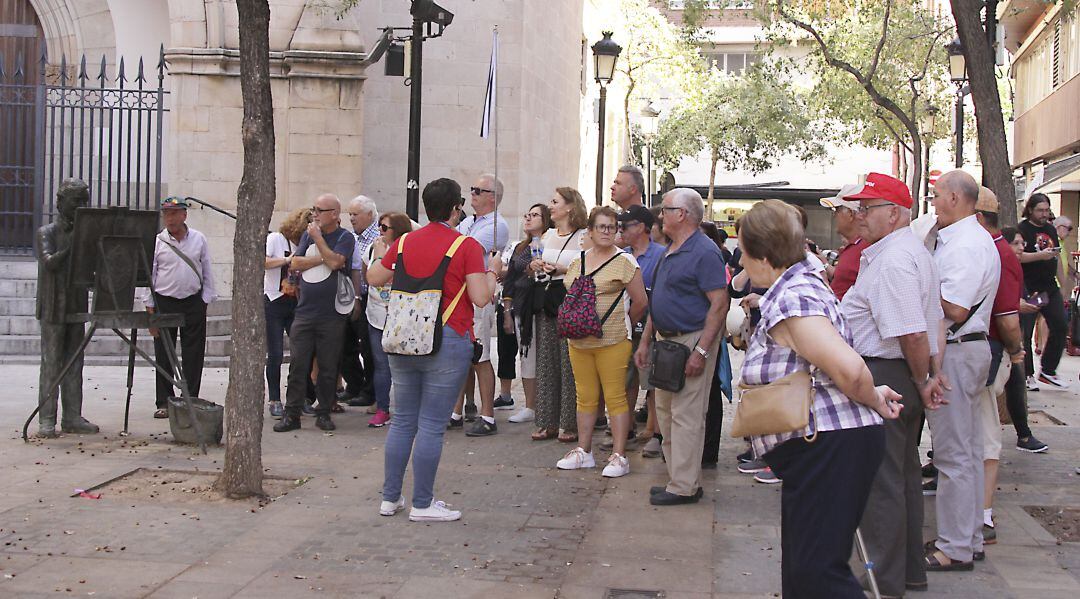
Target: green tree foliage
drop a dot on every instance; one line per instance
(877, 67)
(744, 123)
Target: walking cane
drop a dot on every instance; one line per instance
(861, 546)
(130, 378)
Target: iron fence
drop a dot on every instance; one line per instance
(105, 129)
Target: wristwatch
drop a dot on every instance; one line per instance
(700, 350)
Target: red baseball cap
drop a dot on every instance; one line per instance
(884, 187)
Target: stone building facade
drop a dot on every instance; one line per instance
(341, 124)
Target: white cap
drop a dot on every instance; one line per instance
(838, 201)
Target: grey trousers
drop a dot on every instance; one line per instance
(58, 343)
(958, 452)
(893, 519)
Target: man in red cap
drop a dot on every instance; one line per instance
(894, 313)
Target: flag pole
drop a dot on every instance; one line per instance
(495, 124)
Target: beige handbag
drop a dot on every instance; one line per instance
(782, 406)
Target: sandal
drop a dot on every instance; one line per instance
(544, 434)
(162, 413)
(337, 408)
(934, 563)
(565, 437)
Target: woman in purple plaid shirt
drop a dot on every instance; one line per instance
(827, 480)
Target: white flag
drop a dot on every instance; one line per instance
(492, 88)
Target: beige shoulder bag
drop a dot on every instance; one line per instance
(781, 406)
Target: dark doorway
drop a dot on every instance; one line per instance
(22, 43)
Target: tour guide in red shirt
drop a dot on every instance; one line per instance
(846, 270)
(427, 386)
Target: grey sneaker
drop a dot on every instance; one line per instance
(1031, 445)
(753, 466)
(652, 448)
(482, 428)
(989, 535)
(767, 477)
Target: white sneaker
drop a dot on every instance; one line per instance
(389, 508)
(523, 415)
(1032, 385)
(617, 466)
(1053, 380)
(436, 512)
(576, 458)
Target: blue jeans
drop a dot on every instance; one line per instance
(279, 317)
(426, 389)
(381, 369)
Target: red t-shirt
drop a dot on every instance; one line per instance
(426, 248)
(847, 267)
(1007, 300)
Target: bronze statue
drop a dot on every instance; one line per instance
(57, 302)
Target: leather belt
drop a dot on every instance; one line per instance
(968, 338)
(671, 333)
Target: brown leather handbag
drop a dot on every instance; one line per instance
(781, 406)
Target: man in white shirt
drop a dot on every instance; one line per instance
(183, 283)
(489, 228)
(970, 268)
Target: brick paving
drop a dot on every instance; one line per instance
(528, 530)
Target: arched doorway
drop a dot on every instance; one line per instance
(22, 43)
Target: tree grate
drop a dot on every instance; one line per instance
(633, 594)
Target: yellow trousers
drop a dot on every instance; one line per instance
(601, 368)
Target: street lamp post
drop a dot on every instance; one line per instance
(927, 123)
(958, 75)
(649, 123)
(605, 53)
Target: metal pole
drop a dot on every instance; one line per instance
(412, 188)
(600, 147)
(648, 168)
(959, 128)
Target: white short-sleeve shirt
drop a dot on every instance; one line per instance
(970, 269)
(276, 247)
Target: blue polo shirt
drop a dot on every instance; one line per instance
(679, 301)
(648, 261)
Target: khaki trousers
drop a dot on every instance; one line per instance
(682, 421)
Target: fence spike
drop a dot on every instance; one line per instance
(20, 74)
(161, 65)
(82, 70)
(140, 78)
(120, 73)
(102, 75)
(63, 70)
(2, 73)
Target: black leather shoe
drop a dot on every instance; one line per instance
(324, 423)
(665, 498)
(362, 399)
(288, 422)
(660, 489)
(308, 408)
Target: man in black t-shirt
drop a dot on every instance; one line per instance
(1042, 267)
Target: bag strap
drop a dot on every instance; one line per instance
(582, 265)
(453, 246)
(607, 314)
(183, 257)
(958, 326)
(453, 304)
(601, 267)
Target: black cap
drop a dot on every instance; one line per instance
(637, 213)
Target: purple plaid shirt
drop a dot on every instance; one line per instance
(799, 292)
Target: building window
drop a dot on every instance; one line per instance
(732, 62)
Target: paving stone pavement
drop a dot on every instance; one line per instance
(528, 530)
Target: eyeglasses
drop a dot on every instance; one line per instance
(530, 215)
(321, 210)
(864, 210)
(623, 226)
(479, 190)
(384, 228)
(604, 228)
(667, 208)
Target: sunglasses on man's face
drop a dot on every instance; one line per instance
(322, 210)
(626, 225)
(479, 190)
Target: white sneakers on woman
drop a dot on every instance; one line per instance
(523, 415)
(389, 508)
(436, 512)
(617, 466)
(576, 458)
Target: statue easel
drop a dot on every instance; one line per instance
(112, 253)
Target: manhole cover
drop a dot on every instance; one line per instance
(633, 594)
(1062, 522)
(1039, 417)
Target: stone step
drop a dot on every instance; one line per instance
(12, 268)
(28, 325)
(24, 306)
(208, 362)
(103, 344)
(17, 288)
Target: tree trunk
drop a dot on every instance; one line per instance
(632, 157)
(993, 146)
(714, 158)
(242, 473)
